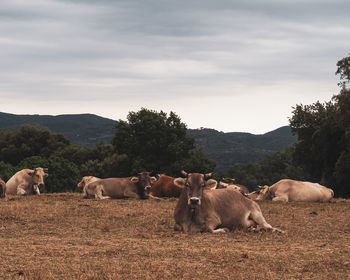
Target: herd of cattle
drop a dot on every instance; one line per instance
(204, 204)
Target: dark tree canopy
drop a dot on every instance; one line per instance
(344, 71)
(323, 130)
(266, 172)
(29, 141)
(154, 141)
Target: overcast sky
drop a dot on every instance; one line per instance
(228, 65)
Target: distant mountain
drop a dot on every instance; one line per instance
(232, 148)
(80, 129)
(226, 149)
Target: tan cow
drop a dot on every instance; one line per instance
(26, 182)
(202, 209)
(130, 187)
(85, 181)
(225, 182)
(2, 189)
(290, 190)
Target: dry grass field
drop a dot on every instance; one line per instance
(63, 236)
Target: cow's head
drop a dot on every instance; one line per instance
(38, 175)
(144, 182)
(85, 180)
(193, 185)
(264, 193)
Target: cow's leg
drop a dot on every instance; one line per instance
(20, 190)
(85, 193)
(131, 194)
(212, 223)
(178, 227)
(220, 230)
(154, 197)
(283, 198)
(98, 193)
(259, 219)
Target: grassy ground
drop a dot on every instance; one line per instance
(63, 236)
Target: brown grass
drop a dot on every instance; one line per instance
(63, 236)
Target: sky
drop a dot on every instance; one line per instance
(228, 65)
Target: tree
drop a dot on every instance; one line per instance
(344, 71)
(29, 141)
(6, 171)
(323, 130)
(270, 170)
(153, 141)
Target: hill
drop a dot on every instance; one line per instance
(226, 148)
(232, 148)
(80, 129)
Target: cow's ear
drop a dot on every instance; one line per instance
(211, 183)
(46, 175)
(30, 173)
(153, 179)
(180, 182)
(134, 179)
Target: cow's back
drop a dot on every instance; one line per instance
(21, 177)
(301, 191)
(114, 187)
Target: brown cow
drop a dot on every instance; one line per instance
(2, 189)
(26, 181)
(165, 187)
(201, 209)
(130, 187)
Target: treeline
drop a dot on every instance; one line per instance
(147, 141)
(322, 153)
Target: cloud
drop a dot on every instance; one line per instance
(109, 57)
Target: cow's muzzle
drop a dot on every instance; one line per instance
(148, 188)
(194, 201)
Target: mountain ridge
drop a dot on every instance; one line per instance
(226, 148)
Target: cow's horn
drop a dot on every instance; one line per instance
(229, 179)
(208, 175)
(184, 173)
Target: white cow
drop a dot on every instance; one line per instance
(290, 190)
(26, 182)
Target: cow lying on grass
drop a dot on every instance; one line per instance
(130, 187)
(165, 187)
(202, 209)
(85, 181)
(290, 190)
(26, 181)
